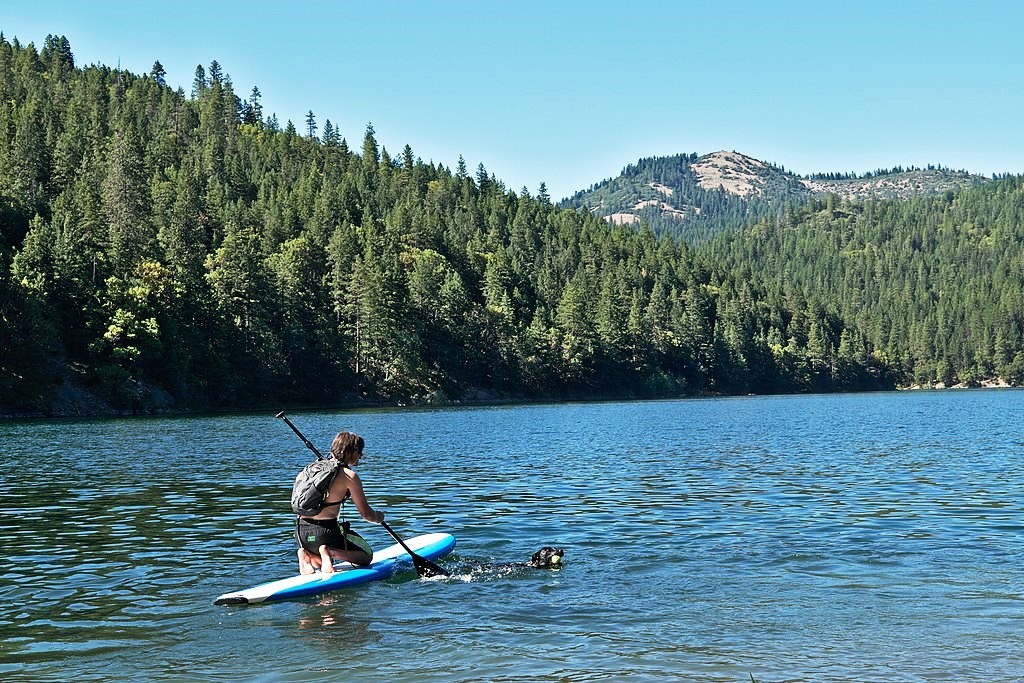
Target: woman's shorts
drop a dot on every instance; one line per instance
(313, 533)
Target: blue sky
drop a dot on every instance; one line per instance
(570, 92)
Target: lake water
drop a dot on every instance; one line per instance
(870, 537)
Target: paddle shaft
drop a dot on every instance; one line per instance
(398, 538)
(424, 567)
(299, 434)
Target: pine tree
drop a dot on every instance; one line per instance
(542, 194)
(330, 135)
(126, 205)
(199, 83)
(311, 126)
(254, 111)
(158, 74)
(371, 155)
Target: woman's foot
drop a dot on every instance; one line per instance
(326, 566)
(305, 566)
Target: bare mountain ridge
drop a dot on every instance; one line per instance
(697, 196)
(741, 175)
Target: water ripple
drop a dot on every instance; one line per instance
(839, 538)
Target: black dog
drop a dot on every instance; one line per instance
(545, 558)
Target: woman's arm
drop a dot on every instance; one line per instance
(355, 488)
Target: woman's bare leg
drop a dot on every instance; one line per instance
(356, 557)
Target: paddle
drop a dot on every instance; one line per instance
(299, 434)
(424, 567)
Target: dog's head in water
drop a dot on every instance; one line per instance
(547, 558)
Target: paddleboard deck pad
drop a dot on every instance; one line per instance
(429, 546)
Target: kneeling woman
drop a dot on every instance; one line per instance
(321, 538)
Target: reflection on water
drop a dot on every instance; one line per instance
(840, 538)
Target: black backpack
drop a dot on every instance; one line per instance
(310, 490)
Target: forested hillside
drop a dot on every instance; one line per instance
(666, 194)
(694, 198)
(932, 288)
(163, 250)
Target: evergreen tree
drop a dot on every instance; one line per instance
(311, 126)
(126, 204)
(151, 242)
(371, 156)
(158, 74)
(199, 83)
(254, 112)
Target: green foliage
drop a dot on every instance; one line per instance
(159, 245)
(695, 214)
(927, 291)
(666, 195)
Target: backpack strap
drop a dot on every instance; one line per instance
(339, 502)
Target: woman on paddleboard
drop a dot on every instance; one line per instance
(321, 537)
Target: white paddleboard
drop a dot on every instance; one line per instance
(429, 546)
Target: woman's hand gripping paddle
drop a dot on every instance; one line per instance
(424, 567)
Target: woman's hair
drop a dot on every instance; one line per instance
(346, 443)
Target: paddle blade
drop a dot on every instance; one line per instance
(425, 568)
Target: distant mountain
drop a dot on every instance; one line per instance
(897, 184)
(695, 197)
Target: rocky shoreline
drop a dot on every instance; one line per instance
(77, 402)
